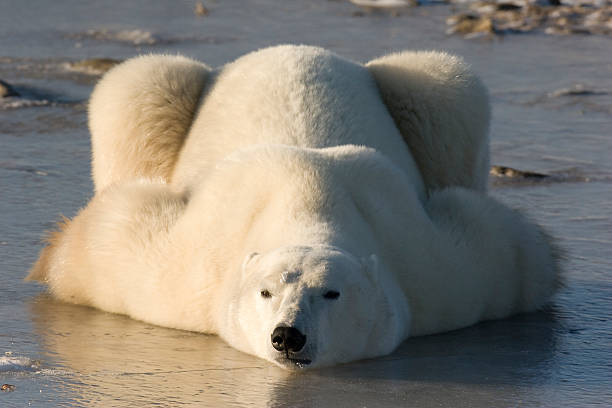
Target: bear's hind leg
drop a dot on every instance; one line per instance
(442, 111)
(139, 115)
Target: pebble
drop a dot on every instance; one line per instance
(7, 90)
(502, 171)
(200, 10)
(7, 387)
(384, 3)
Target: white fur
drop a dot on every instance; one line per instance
(139, 116)
(434, 96)
(293, 178)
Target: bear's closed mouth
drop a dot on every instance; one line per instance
(298, 361)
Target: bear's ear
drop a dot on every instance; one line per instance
(247, 260)
(370, 266)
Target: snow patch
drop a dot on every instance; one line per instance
(10, 364)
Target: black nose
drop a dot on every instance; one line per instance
(288, 339)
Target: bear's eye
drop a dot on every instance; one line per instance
(265, 293)
(331, 294)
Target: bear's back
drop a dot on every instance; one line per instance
(292, 95)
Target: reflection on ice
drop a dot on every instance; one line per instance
(150, 364)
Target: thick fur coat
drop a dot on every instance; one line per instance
(308, 209)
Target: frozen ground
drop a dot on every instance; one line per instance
(552, 101)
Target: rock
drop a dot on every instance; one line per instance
(502, 171)
(470, 25)
(7, 387)
(508, 7)
(510, 17)
(575, 90)
(7, 90)
(200, 10)
(93, 66)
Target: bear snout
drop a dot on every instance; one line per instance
(287, 339)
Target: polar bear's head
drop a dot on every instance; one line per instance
(303, 307)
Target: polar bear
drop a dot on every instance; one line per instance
(308, 209)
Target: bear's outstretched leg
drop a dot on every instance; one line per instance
(487, 262)
(139, 116)
(113, 254)
(442, 110)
